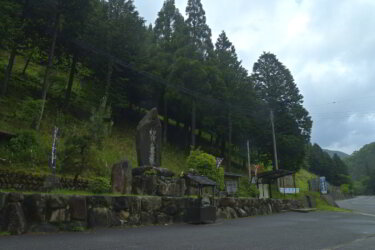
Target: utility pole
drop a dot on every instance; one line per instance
(248, 159)
(193, 121)
(276, 165)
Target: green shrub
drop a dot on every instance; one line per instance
(344, 188)
(205, 164)
(77, 154)
(82, 145)
(247, 189)
(99, 185)
(25, 148)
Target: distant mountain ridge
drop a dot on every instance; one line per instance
(340, 154)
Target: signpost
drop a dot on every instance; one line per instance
(53, 153)
(248, 159)
(51, 182)
(323, 185)
(219, 161)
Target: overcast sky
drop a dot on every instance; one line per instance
(328, 45)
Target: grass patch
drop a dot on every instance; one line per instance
(302, 178)
(4, 234)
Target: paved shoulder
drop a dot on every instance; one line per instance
(362, 204)
(316, 230)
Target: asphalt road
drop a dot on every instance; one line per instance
(316, 230)
(360, 204)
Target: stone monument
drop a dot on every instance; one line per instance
(121, 177)
(148, 140)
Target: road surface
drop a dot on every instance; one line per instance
(360, 204)
(316, 230)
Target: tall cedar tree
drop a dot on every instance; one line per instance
(276, 87)
(115, 31)
(13, 27)
(233, 76)
(200, 35)
(198, 29)
(169, 26)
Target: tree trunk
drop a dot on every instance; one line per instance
(70, 81)
(108, 78)
(27, 62)
(222, 146)
(229, 139)
(193, 120)
(48, 69)
(187, 133)
(165, 118)
(8, 71)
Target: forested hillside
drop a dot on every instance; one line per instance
(340, 154)
(92, 67)
(333, 168)
(362, 168)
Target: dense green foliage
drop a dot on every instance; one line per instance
(80, 146)
(99, 185)
(25, 148)
(87, 50)
(205, 164)
(362, 168)
(246, 189)
(321, 164)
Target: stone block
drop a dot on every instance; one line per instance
(163, 218)
(163, 189)
(147, 218)
(135, 204)
(99, 217)
(151, 203)
(241, 212)
(15, 197)
(228, 202)
(221, 214)
(134, 219)
(3, 198)
(56, 201)
(14, 218)
(78, 208)
(59, 216)
(99, 201)
(121, 203)
(179, 217)
(35, 207)
(121, 177)
(231, 212)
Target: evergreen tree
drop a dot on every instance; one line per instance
(14, 23)
(199, 31)
(276, 87)
(169, 27)
(234, 77)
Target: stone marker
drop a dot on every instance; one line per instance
(122, 177)
(148, 140)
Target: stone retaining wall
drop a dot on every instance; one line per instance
(20, 213)
(23, 181)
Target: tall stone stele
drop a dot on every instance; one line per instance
(148, 140)
(121, 177)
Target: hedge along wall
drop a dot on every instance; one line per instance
(26, 181)
(20, 213)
